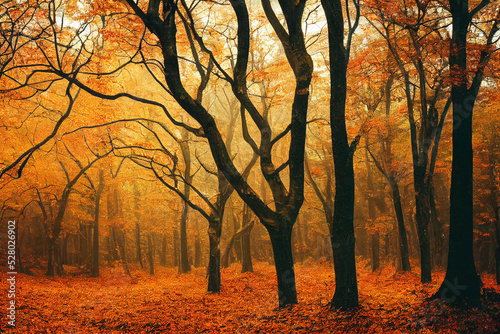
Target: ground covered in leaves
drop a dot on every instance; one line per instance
(173, 303)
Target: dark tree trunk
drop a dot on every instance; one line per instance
(197, 251)
(176, 248)
(64, 252)
(163, 253)
(150, 255)
(82, 242)
(114, 244)
(403, 240)
(246, 253)
(184, 266)
(138, 253)
(422, 219)
(281, 242)
(497, 264)
(436, 231)
(342, 230)
(95, 248)
(461, 283)
(214, 232)
(95, 239)
(497, 247)
(375, 250)
(375, 237)
(235, 255)
(120, 239)
(50, 256)
(59, 269)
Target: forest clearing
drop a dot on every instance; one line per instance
(172, 303)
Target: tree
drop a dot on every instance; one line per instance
(162, 22)
(342, 228)
(413, 30)
(95, 238)
(462, 284)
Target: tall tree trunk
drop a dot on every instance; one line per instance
(422, 219)
(184, 266)
(436, 230)
(342, 230)
(138, 253)
(64, 252)
(497, 246)
(176, 248)
(163, 253)
(50, 257)
(59, 269)
(150, 255)
(95, 243)
(375, 239)
(120, 239)
(461, 283)
(214, 233)
(281, 242)
(246, 254)
(403, 240)
(197, 250)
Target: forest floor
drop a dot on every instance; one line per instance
(171, 303)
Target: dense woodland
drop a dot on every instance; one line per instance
(157, 140)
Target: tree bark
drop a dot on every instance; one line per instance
(214, 233)
(95, 243)
(246, 254)
(138, 253)
(197, 251)
(123, 255)
(403, 240)
(50, 254)
(150, 255)
(281, 242)
(184, 265)
(342, 230)
(461, 284)
(163, 253)
(375, 238)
